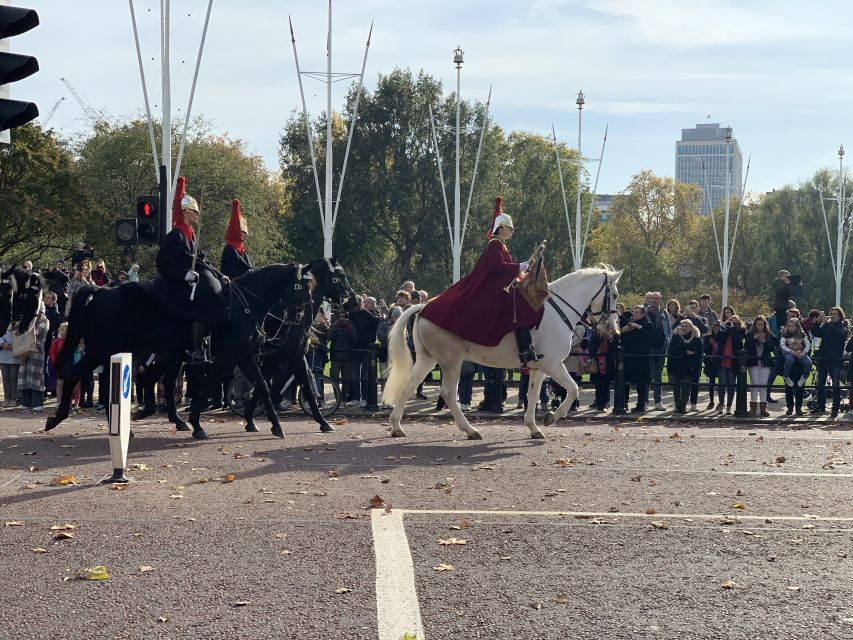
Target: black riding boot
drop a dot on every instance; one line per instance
(526, 352)
(201, 352)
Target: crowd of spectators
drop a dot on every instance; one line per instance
(663, 345)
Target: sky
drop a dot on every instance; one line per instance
(776, 71)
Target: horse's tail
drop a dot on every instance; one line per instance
(76, 318)
(399, 359)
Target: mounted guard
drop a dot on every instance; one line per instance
(492, 289)
(189, 287)
(235, 258)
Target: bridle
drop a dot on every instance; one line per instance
(605, 312)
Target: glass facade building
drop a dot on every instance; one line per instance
(700, 158)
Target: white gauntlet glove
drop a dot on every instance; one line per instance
(522, 266)
(191, 276)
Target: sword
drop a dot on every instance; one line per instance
(195, 254)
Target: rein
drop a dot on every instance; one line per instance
(606, 311)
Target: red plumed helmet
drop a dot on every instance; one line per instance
(180, 192)
(498, 211)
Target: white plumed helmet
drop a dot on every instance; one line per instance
(188, 203)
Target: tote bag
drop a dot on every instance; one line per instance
(24, 345)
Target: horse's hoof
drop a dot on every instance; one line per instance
(142, 414)
(277, 432)
(549, 419)
(326, 428)
(252, 428)
(180, 425)
(537, 435)
(51, 423)
(199, 434)
(398, 433)
(132, 435)
(475, 435)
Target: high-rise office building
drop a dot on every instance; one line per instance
(701, 159)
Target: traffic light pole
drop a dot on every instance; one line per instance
(165, 205)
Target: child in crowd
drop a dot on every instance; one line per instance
(53, 356)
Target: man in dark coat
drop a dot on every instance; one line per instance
(235, 259)
(57, 281)
(637, 336)
(494, 312)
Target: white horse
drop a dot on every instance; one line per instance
(570, 296)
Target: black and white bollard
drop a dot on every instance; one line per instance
(121, 382)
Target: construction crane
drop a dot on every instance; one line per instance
(89, 110)
(53, 110)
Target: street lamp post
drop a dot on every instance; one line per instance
(578, 259)
(456, 249)
(726, 261)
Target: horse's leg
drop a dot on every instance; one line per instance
(64, 405)
(449, 385)
(253, 371)
(170, 380)
(199, 400)
(562, 377)
(419, 371)
(534, 385)
(147, 379)
(249, 412)
(304, 377)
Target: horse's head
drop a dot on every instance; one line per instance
(29, 288)
(332, 283)
(602, 307)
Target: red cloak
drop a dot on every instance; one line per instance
(477, 308)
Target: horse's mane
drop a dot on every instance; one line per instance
(600, 269)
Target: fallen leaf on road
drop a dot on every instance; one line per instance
(229, 478)
(409, 636)
(484, 467)
(34, 468)
(730, 584)
(675, 436)
(64, 481)
(653, 483)
(340, 420)
(176, 496)
(388, 508)
(739, 492)
(536, 605)
(636, 478)
(660, 524)
(780, 459)
(14, 523)
(651, 511)
(451, 541)
(39, 550)
(64, 535)
(342, 590)
(162, 619)
(145, 568)
(794, 588)
(563, 462)
(63, 527)
(334, 474)
(562, 598)
(94, 573)
(808, 526)
(443, 567)
(242, 603)
(739, 505)
(376, 502)
(347, 516)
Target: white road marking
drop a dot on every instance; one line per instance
(397, 608)
(796, 474)
(10, 481)
(628, 514)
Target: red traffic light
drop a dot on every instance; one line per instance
(148, 219)
(146, 209)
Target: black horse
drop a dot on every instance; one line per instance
(290, 326)
(127, 319)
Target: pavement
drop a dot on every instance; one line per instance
(641, 527)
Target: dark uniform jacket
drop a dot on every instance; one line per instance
(173, 292)
(234, 263)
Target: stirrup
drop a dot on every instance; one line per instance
(529, 355)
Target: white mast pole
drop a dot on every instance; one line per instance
(145, 92)
(577, 245)
(839, 239)
(167, 113)
(726, 259)
(327, 204)
(440, 173)
(476, 164)
(563, 188)
(455, 246)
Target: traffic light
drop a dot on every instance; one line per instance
(148, 219)
(13, 67)
(126, 232)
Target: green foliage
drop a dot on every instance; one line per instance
(41, 196)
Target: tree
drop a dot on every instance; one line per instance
(116, 166)
(41, 196)
(652, 229)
